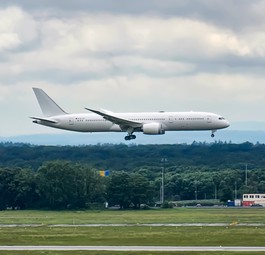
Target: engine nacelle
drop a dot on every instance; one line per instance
(153, 129)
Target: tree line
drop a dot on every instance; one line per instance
(68, 177)
(66, 185)
(217, 155)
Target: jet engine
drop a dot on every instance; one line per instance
(153, 129)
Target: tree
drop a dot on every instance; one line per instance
(119, 190)
(25, 189)
(17, 188)
(141, 190)
(128, 190)
(67, 185)
(7, 189)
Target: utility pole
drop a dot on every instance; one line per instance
(235, 190)
(215, 192)
(196, 191)
(162, 194)
(246, 175)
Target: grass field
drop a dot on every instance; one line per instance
(178, 215)
(172, 236)
(46, 234)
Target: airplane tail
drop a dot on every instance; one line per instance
(48, 106)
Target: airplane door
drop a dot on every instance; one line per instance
(170, 119)
(71, 121)
(209, 119)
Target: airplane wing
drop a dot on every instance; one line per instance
(44, 119)
(123, 123)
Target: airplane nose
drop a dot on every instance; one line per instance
(227, 124)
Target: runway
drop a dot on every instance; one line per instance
(132, 248)
(135, 225)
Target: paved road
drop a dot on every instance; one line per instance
(134, 225)
(132, 248)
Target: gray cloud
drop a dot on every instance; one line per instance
(236, 14)
(171, 55)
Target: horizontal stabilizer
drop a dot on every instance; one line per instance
(44, 119)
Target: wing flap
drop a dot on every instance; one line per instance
(123, 123)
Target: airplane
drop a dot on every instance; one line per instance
(150, 123)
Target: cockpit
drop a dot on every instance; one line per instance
(221, 118)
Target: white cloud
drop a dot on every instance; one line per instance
(16, 28)
(88, 43)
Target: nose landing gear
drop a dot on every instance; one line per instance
(213, 131)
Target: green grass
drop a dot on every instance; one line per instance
(178, 215)
(172, 236)
(133, 235)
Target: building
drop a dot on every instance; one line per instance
(253, 199)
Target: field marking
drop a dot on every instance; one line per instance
(137, 225)
(132, 248)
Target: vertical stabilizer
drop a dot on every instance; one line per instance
(48, 106)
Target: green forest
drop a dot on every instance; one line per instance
(68, 177)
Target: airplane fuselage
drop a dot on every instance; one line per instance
(169, 121)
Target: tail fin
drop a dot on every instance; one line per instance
(47, 105)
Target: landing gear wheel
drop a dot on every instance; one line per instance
(129, 137)
(213, 131)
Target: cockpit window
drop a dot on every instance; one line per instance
(221, 118)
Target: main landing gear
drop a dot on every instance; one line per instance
(129, 137)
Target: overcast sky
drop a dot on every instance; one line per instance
(200, 55)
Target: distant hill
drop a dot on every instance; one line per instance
(67, 138)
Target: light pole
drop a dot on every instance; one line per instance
(215, 192)
(196, 191)
(162, 194)
(246, 175)
(235, 190)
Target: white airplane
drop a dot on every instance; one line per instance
(150, 123)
